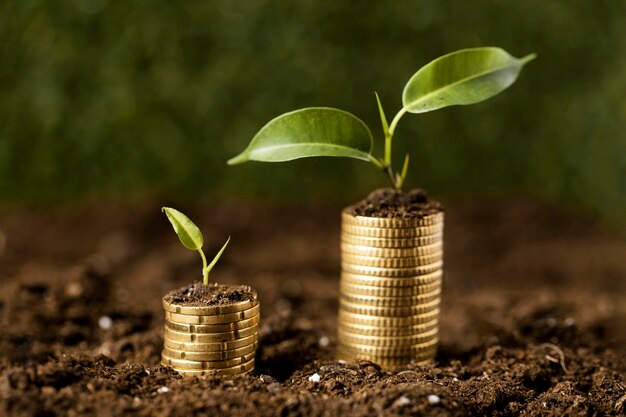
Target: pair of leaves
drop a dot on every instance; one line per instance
(464, 77)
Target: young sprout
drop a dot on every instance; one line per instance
(191, 237)
(460, 78)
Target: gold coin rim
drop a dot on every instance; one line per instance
(396, 253)
(213, 328)
(392, 282)
(210, 356)
(370, 290)
(221, 319)
(377, 242)
(199, 347)
(391, 272)
(206, 365)
(380, 262)
(393, 222)
(391, 302)
(241, 369)
(385, 321)
(235, 335)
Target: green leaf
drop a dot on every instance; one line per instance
(460, 78)
(383, 118)
(187, 231)
(313, 131)
(217, 257)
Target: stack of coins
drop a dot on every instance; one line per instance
(218, 339)
(390, 289)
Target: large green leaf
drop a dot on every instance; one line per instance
(462, 77)
(187, 231)
(314, 131)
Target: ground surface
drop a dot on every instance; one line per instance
(81, 321)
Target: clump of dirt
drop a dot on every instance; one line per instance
(390, 203)
(198, 294)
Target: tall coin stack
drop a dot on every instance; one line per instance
(390, 289)
(217, 339)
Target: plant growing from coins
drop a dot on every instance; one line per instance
(463, 77)
(191, 237)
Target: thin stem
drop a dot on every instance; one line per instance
(388, 137)
(396, 119)
(376, 162)
(392, 178)
(205, 269)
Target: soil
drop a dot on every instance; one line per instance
(532, 318)
(198, 294)
(390, 203)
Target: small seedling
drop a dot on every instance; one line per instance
(463, 77)
(191, 237)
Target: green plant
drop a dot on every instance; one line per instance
(460, 78)
(191, 237)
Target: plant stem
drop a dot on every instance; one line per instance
(396, 119)
(396, 181)
(205, 269)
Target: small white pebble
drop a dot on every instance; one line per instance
(105, 322)
(341, 362)
(545, 404)
(136, 399)
(433, 399)
(163, 390)
(315, 377)
(146, 371)
(324, 341)
(569, 322)
(402, 401)
(455, 379)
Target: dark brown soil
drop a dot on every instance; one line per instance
(198, 294)
(389, 203)
(532, 318)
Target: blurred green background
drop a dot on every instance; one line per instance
(127, 99)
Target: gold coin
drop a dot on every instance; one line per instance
(210, 347)
(210, 337)
(213, 328)
(388, 331)
(221, 319)
(359, 250)
(244, 368)
(371, 290)
(391, 262)
(387, 282)
(379, 242)
(381, 321)
(213, 356)
(211, 310)
(178, 358)
(391, 223)
(346, 338)
(396, 233)
(391, 272)
(370, 300)
(389, 311)
(384, 351)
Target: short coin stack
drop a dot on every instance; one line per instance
(391, 275)
(216, 339)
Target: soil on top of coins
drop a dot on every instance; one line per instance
(532, 315)
(390, 203)
(198, 294)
